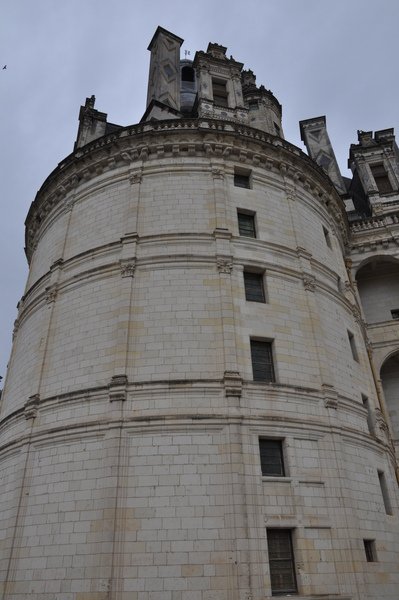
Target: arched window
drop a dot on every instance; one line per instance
(378, 285)
(187, 74)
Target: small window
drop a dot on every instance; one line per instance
(395, 313)
(384, 492)
(219, 92)
(381, 178)
(262, 361)
(242, 178)
(254, 290)
(327, 237)
(352, 344)
(370, 422)
(253, 105)
(246, 224)
(271, 457)
(369, 549)
(187, 74)
(277, 129)
(281, 562)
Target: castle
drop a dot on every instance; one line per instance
(202, 396)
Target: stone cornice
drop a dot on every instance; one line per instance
(179, 137)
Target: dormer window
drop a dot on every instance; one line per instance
(381, 178)
(219, 89)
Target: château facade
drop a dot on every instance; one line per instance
(202, 399)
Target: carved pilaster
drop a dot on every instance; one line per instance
(224, 265)
(232, 381)
(309, 282)
(31, 406)
(128, 268)
(330, 396)
(51, 294)
(117, 388)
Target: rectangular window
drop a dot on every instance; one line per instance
(246, 224)
(253, 105)
(327, 237)
(369, 549)
(254, 290)
(271, 457)
(281, 562)
(352, 344)
(395, 313)
(242, 178)
(384, 492)
(219, 92)
(381, 178)
(262, 361)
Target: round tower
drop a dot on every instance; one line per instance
(183, 416)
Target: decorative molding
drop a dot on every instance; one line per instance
(117, 388)
(232, 381)
(31, 406)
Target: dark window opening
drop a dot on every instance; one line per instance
(254, 290)
(246, 224)
(369, 548)
(395, 313)
(241, 180)
(187, 74)
(281, 562)
(277, 129)
(219, 89)
(253, 105)
(381, 178)
(262, 361)
(271, 457)
(352, 344)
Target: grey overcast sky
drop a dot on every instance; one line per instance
(320, 57)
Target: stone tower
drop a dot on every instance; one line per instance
(202, 396)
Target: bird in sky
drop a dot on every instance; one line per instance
(5, 67)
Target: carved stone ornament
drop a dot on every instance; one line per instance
(330, 396)
(309, 282)
(128, 269)
(15, 329)
(135, 178)
(31, 406)
(232, 383)
(224, 266)
(217, 173)
(51, 294)
(117, 388)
